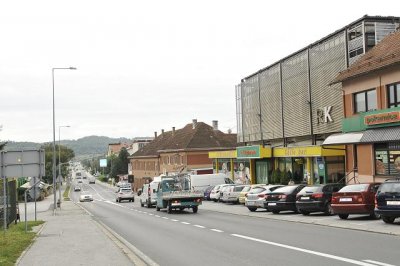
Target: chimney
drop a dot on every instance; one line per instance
(155, 134)
(173, 131)
(215, 124)
(162, 131)
(229, 131)
(194, 122)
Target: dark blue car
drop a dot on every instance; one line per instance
(207, 192)
(388, 200)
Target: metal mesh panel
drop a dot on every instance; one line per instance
(326, 61)
(296, 112)
(11, 202)
(250, 109)
(239, 118)
(271, 103)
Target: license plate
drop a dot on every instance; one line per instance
(250, 203)
(393, 203)
(272, 204)
(305, 198)
(175, 204)
(345, 199)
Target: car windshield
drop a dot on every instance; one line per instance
(355, 188)
(126, 190)
(238, 188)
(389, 187)
(311, 189)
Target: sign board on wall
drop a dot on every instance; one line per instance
(382, 118)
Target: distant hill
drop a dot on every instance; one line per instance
(83, 147)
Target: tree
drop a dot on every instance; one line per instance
(120, 164)
(66, 154)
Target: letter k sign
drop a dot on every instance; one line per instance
(327, 115)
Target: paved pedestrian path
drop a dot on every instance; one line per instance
(72, 237)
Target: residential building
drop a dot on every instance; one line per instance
(115, 148)
(138, 143)
(179, 151)
(371, 128)
(285, 111)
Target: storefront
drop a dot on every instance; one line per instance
(325, 165)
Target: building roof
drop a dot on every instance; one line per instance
(385, 54)
(202, 137)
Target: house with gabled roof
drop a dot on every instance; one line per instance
(180, 151)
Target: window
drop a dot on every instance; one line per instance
(387, 159)
(365, 101)
(356, 52)
(355, 32)
(393, 95)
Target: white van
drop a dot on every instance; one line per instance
(148, 194)
(201, 182)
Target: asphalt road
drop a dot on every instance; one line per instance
(213, 238)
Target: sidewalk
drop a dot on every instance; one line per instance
(72, 237)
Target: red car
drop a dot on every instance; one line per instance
(355, 199)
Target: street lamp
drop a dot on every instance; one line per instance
(59, 162)
(54, 135)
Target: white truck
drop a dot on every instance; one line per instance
(201, 182)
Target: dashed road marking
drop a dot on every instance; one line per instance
(379, 263)
(174, 220)
(217, 230)
(185, 223)
(158, 216)
(166, 218)
(199, 226)
(150, 214)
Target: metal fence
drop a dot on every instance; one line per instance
(9, 200)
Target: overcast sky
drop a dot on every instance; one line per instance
(143, 66)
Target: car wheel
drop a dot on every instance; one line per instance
(116, 200)
(157, 208)
(195, 209)
(329, 209)
(141, 203)
(275, 212)
(388, 219)
(215, 200)
(304, 212)
(148, 205)
(375, 216)
(343, 216)
(169, 209)
(252, 209)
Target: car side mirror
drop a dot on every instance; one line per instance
(139, 192)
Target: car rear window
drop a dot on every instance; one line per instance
(238, 188)
(126, 190)
(354, 188)
(389, 187)
(286, 189)
(312, 189)
(246, 188)
(257, 190)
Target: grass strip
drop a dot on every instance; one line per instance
(66, 192)
(14, 241)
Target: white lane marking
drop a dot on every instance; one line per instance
(305, 250)
(144, 212)
(199, 226)
(150, 214)
(185, 223)
(166, 218)
(217, 230)
(174, 220)
(379, 263)
(158, 216)
(97, 192)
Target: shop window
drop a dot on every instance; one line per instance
(393, 91)
(242, 172)
(387, 159)
(365, 101)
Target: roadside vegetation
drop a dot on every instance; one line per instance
(15, 241)
(66, 192)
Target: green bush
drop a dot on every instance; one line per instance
(276, 176)
(285, 177)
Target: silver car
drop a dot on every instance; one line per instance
(124, 193)
(256, 197)
(231, 193)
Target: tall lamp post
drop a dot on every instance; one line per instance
(59, 163)
(54, 136)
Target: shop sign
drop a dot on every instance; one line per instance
(309, 151)
(248, 152)
(324, 115)
(222, 154)
(382, 118)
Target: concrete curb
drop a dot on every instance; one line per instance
(134, 254)
(31, 244)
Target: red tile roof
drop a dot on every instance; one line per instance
(386, 53)
(202, 137)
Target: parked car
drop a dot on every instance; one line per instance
(355, 199)
(388, 200)
(223, 190)
(85, 196)
(231, 194)
(124, 193)
(148, 194)
(316, 198)
(215, 194)
(282, 199)
(207, 192)
(255, 198)
(77, 188)
(243, 193)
